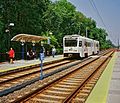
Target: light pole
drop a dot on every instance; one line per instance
(79, 32)
(80, 29)
(48, 40)
(118, 43)
(22, 50)
(8, 31)
(33, 44)
(11, 24)
(49, 37)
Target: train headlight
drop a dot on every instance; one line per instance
(70, 49)
(70, 55)
(65, 50)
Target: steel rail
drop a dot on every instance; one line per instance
(28, 95)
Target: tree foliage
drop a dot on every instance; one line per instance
(39, 17)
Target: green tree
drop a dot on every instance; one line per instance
(39, 17)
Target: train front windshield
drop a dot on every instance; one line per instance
(70, 43)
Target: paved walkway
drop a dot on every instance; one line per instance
(22, 63)
(114, 90)
(99, 93)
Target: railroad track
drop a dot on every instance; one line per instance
(71, 83)
(64, 89)
(26, 68)
(83, 92)
(16, 78)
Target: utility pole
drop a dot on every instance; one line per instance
(8, 30)
(79, 32)
(118, 43)
(86, 32)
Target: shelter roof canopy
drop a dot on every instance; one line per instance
(28, 38)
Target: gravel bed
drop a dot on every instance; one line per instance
(17, 94)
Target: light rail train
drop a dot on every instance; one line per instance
(78, 46)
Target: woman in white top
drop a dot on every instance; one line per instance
(53, 51)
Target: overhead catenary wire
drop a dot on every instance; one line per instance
(96, 9)
(94, 6)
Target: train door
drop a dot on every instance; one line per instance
(88, 47)
(80, 47)
(92, 47)
(96, 47)
(85, 47)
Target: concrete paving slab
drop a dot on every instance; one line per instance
(115, 84)
(100, 91)
(116, 74)
(114, 89)
(115, 98)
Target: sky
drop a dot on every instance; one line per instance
(109, 11)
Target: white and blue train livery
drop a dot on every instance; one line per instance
(78, 46)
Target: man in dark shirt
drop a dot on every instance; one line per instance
(42, 50)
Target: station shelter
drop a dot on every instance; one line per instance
(26, 39)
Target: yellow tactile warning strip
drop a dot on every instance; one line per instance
(100, 91)
(23, 64)
(13, 68)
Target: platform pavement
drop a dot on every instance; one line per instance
(114, 90)
(102, 93)
(22, 63)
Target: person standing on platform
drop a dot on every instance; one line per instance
(53, 51)
(11, 54)
(42, 49)
(28, 55)
(41, 59)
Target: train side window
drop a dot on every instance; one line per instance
(97, 45)
(91, 44)
(86, 44)
(80, 43)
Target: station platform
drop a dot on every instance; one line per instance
(114, 89)
(107, 89)
(6, 66)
